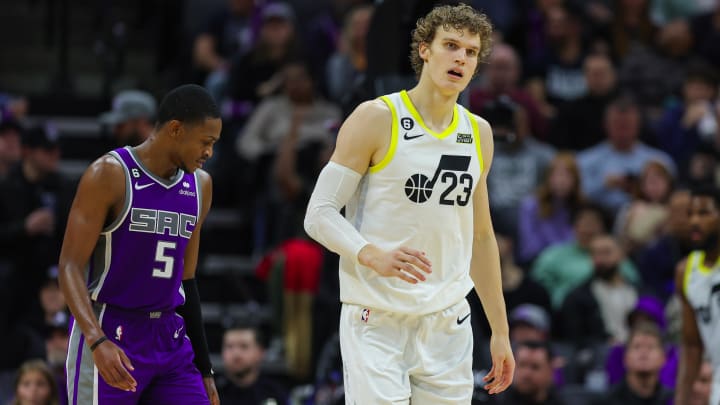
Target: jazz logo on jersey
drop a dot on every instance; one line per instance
(118, 332)
(419, 188)
(365, 315)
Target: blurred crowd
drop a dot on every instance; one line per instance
(605, 113)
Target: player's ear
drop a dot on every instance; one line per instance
(424, 51)
(175, 129)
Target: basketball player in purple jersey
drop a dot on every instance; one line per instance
(136, 220)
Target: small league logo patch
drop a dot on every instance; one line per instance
(365, 315)
(464, 138)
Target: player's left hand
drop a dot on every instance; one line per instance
(211, 390)
(503, 365)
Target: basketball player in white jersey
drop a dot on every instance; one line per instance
(411, 170)
(698, 284)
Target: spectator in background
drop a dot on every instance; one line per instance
(533, 382)
(131, 120)
(529, 323)
(347, 66)
(706, 36)
(518, 288)
(13, 107)
(315, 118)
(56, 352)
(654, 73)
(501, 76)
(609, 169)
(287, 139)
(656, 261)
(702, 167)
(631, 27)
(242, 382)
(545, 217)
(35, 385)
(562, 267)
(34, 202)
(10, 150)
(644, 357)
(518, 165)
(666, 11)
(597, 310)
(556, 74)
(642, 220)
(685, 125)
(647, 310)
(258, 73)
(227, 35)
(579, 125)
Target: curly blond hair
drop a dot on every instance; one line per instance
(457, 18)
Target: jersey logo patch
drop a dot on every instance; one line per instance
(464, 138)
(118, 332)
(407, 123)
(365, 315)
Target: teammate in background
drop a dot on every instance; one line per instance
(137, 213)
(411, 169)
(698, 284)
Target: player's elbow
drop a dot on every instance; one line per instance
(313, 216)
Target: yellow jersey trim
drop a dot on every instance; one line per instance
(449, 130)
(476, 136)
(688, 269)
(393, 138)
(701, 264)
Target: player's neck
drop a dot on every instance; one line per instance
(154, 157)
(435, 108)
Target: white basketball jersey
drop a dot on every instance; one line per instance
(420, 196)
(702, 289)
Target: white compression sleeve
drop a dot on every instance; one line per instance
(323, 222)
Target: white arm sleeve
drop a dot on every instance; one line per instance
(323, 222)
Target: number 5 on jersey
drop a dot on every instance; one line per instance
(163, 255)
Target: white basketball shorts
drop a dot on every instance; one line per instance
(391, 358)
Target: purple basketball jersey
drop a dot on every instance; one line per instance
(139, 259)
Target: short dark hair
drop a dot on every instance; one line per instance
(536, 345)
(701, 71)
(189, 104)
(707, 191)
(646, 328)
(257, 328)
(592, 207)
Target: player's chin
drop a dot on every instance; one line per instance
(198, 164)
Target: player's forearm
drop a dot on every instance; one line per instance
(690, 358)
(485, 273)
(323, 222)
(78, 300)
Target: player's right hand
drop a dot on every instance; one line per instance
(404, 263)
(114, 366)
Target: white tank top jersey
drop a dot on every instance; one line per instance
(420, 196)
(701, 286)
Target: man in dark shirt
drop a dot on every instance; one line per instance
(533, 382)
(34, 202)
(644, 357)
(242, 383)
